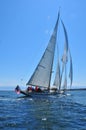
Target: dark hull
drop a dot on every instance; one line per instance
(39, 94)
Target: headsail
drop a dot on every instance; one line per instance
(71, 69)
(42, 73)
(65, 79)
(65, 84)
(65, 55)
(57, 75)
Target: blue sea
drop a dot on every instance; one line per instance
(54, 112)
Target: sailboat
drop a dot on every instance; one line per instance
(42, 75)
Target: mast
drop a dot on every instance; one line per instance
(42, 74)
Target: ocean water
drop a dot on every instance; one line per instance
(56, 112)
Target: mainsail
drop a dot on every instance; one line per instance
(42, 74)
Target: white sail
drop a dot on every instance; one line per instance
(65, 84)
(42, 73)
(65, 79)
(65, 53)
(57, 76)
(65, 56)
(71, 70)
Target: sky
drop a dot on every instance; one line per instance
(25, 29)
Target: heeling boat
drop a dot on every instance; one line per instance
(42, 75)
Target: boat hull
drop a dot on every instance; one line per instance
(39, 94)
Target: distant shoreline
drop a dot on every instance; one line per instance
(74, 89)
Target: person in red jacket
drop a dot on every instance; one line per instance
(37, 89)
